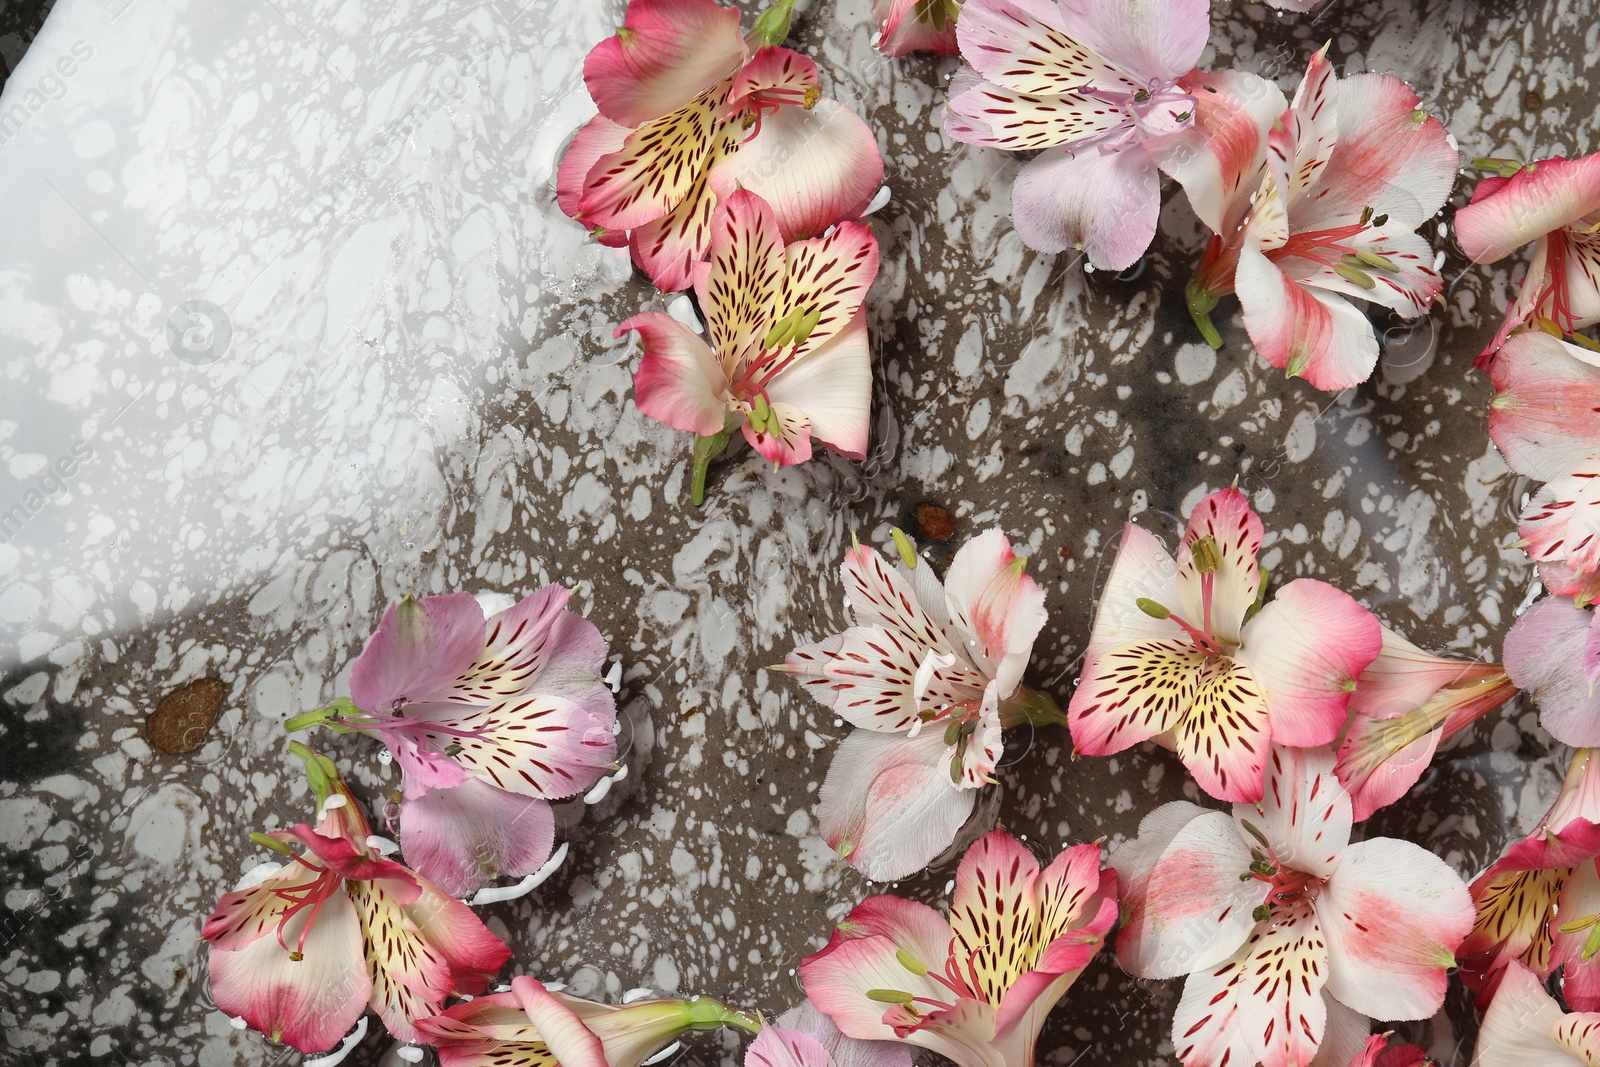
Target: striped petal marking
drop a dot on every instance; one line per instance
(669, 247)
(880, 596)
(410, 978)
(994, 916)
(825, 284)
(539, 746)
(1133, 693)
(1216, 599)
(657, 167)
(1579, 1034)
(1562, 521)
(1023, 45)
(983, 113)
(875, 680)
(1512, 921)
(1263, 1005)
(515, 648)
(739, 284)
(1224, 736)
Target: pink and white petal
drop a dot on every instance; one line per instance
(1219, 159)
(887, 805)
(1580, 275)
(1103, 200)
(1580, 978)
(1263, 1005)
(421, 765)
(411, 978)
(903, 30)
(1072, 893)
(473, 954)
(656, 168)
(567, 1037)
(740, 282)
(980, 112)
(1304, 814)
(1155, 42)
(786, 439)
(1306, 648)
(779, 1046)
(1562, 580)
(464, 838)
(1392, 156)
(980, 753)
(1189, 911)
(773, 70)
(1141, 570)
(536, 644)
(1518, 1029)
(992, 599)
(833, 386)
(1235, 530)
(1317, 336)
(1545, 196)
(598, 137)
(881, 596)
(842, 1050)
(828, 277)
(667, 53)
(679, 381)
(671, 249)
(1561, 523)
(1132, 693)
(1224, 735)
(1408, 291)
(538, 745)
(864, 954)
(418, 650)
(307, 1004)
(816, 167)
(1137, 856)
(1394, 915)
(873, 677)
(1543, 417)
(1025, 45)
(1543, 653)
(1303, 142)
(245, 915)
(1373, 770)
(1403, 678)
(807, 665)
(1579, 1034)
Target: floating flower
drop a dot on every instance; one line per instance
(489, 721)
(1282, 924)
(916, 26)
(533, 1026)
(1525, 1027)
(303, 951)
(1088, 81)
(929, 675)
(1553, 653)
(1537, 904)
(788, 359)
(1353, 167)
(691, 111)
(1179, 653)
(1555, 204)
(1406, 704)
(974, 988)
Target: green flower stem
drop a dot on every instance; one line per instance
(1201, 303)
(708, 1013)
(1031, 706)
(705, 450)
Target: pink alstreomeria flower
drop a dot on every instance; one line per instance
(916, 26)
(1543, 419)
(1352, 168)
(1181, 655)
(688, 114)
(1538, 903)
(1088, 81)
(489, 720)
(1525, 1027)
(1554, 203)
(1287, 930)
(788, 359)
(929, 676)
(974, 988)
(301, 953)
(1553, 652)
(1407, 703)
(532, 1026)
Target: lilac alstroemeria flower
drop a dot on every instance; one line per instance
(1088, 81)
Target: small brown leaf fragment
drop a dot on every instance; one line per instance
(933, 522)
(185, 716)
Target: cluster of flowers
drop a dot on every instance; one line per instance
(717, 161)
